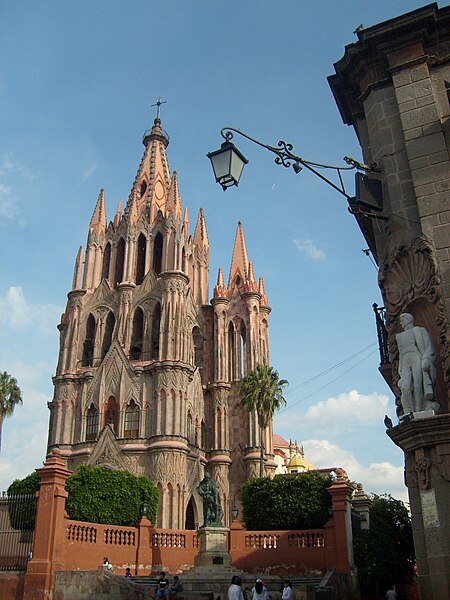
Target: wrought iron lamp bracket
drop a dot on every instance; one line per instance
(286, 158)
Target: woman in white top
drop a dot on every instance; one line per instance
(287, 591)
(235, 589)
(259, 591)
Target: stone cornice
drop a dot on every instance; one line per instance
(420, 433)
(366, 64)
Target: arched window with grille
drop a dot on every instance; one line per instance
(198, 347)
(137, 335)
(120, 261)
(190, 429)
(91, 423)
(88, 346)
(131, 420)
(141, 251)
(156, 324)
(231, 353)
(111, 414)
(106, 261)
(243, 351)
(108, 335)
(158, 253)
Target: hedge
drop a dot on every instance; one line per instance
(296, 501)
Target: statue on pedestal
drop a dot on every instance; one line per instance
(212, 511)
(416, 367)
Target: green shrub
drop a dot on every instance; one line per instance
(297, 501)
(100, 495)
(95, 494)
(22, 502)
(384, 554)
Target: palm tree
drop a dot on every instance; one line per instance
(10, 395)
(262, 391)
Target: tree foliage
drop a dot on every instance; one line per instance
(262, 391)
(95, 494)
(10, 396)
(296, 501)
(100, 495)
(22, 502)
(384, 554)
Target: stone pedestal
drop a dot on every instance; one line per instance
(213, 546)
(426, 444)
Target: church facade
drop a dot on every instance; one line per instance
(149, 369)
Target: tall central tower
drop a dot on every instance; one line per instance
(149, 371)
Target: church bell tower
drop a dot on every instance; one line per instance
(149, 370)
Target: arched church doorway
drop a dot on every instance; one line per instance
(190, 516)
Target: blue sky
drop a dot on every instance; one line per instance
(77, 81)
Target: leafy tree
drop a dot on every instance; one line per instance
(262, 391)
(10, 396)
(296, 501)
(22, 502)
(95, 494)
(384, 554)
(99, 495)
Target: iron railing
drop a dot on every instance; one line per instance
(382, 334)
(17, 517)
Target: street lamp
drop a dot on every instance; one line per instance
(234, 512)
(228, 163)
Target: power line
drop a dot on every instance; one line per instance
(326, 385)
(336, 366)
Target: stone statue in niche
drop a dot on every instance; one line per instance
(212, 511)
(416, 367)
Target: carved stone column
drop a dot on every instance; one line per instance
(426, 444)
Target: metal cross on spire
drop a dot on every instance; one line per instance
(158, 104)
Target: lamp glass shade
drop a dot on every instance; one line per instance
(227, 164)
(234, 513)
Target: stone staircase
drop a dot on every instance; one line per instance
(212, 582)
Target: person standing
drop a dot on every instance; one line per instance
(235, 589)
(391, 594)
(259, 591)
(287, 591)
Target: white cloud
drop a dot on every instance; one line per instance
(309, 249)
(88, 172)
(347, 410)
(18, 314)
(8, 206)
(378, 478)
(9, 165)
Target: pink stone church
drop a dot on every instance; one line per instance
(149, 369)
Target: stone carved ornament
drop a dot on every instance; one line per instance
(168, 467)
(422, 466)
(409, 274)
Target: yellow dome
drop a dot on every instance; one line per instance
(299, 462)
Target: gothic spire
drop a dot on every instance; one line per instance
(250, 283)
(98, 220)
(186, 223)
(263, 301)
(200, 234)
(239, 261)
(76, 281)
(152, 180)
(118, 214)
(174, 199)
(220, 291)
